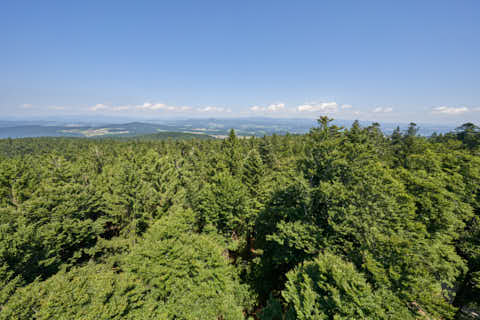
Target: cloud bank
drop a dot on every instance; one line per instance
(326, 107)
(449, 110)
(382, 110)
(274, 107)
(155, 107)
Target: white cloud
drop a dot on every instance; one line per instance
(161, 106)
(274, 107)
(121, 108)
(346, 106)
(57, 108)
(151, 106)
(257, 108)
(26, 106)
(328, 107)
(449, 110)
(183, 108)
(213, 109)
(382, 110)
(98, 107)
(177, 109)
(147, 106)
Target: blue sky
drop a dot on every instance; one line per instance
(369, 60)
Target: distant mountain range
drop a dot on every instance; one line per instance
(217, 128)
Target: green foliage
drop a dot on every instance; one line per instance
(56, 226)
(340, 223)
(224, 203)
(90, 292)
(330, 288)
(273, 310)
(469, 134)
(172, 274)
(188, 271)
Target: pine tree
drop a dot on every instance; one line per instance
(331, 288)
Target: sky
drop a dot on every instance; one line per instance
(369, 60)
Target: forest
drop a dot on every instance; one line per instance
(338, 223)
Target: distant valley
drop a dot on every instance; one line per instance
(214, 128)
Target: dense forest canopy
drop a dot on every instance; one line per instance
(339, 223)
